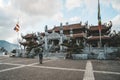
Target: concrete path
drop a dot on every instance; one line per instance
(89, 75)
(20, 66)
(86, 73)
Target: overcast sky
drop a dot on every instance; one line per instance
(33, 15)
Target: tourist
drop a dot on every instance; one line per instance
(40, 57)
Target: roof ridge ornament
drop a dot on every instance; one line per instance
(80, 22)
(46, 28)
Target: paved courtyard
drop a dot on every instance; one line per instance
(58, 69)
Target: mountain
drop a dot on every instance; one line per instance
(8, 46)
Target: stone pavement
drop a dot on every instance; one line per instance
(58, 69)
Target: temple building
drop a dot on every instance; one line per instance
(53, 39)
(88, 35)
(93, 36)
(64, 33)
(95, 39)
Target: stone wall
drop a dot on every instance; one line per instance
(97, 53)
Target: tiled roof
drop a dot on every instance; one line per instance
(98, 37)
(43, 34)
(24, 43)
(68, 27)
(94, 28)
(29, 36)
(78, 35)
(27, 43)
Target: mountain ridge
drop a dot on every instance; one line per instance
(7, 45)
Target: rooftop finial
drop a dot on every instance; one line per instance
(67, 23)
(60, 24)
(46, 29)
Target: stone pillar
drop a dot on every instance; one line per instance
(90, 48)
(52, 43)
(71, 32)
(105, 49)
(23, 53)
(77, 43)
(84, 43)
(61, 37)
(46, 35)
(39, 37)
(98, 44)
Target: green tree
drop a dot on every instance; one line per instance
(73, 48)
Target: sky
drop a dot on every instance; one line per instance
(33, 15)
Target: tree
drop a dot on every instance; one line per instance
(3, 49)
(73, 48)
(13, 51)
(115, 42)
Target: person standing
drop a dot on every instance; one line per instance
(40, 57)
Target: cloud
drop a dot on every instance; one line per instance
(38, 7)
(33, 15)
(106, 2)
(74, 19)
(91, 5)
(116, 4)
(71, 4)
(6, 33)
(59, 17)
(1, 3)
(30, 13)
(116, 23)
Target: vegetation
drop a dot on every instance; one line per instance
(115, 42)
(3, 49)
(37, 48)
(13, 51)
(118, 53)
(73, 48)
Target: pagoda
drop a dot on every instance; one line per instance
(93, 38)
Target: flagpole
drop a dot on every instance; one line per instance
(18, 36)
(100, 38)
(16, 28)
(18, 43)
(99, 24)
